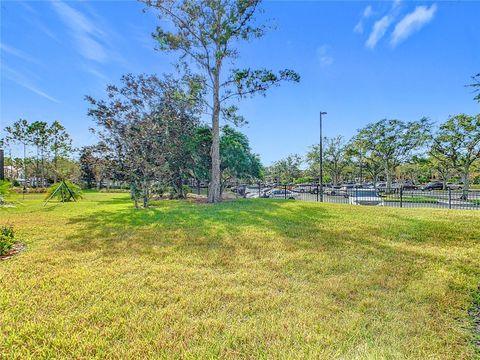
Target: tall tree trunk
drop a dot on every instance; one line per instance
(145, 194)
(388, 174)
(43, 169)
(466, 184)
(214, 194)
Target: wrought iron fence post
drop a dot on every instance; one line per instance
(449, 198)
(285, 192)
(401, 197)
(259, 189)
(318, 192)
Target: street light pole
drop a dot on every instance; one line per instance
(321, 156)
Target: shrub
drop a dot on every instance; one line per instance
(4, 191)
(6, 239)
(4, 187)
(75, 192)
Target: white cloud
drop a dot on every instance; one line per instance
(359, 27)
(367, 12)
(323, 55)
(25, 82)
(89, 38)
(412, 23)
(379, 29)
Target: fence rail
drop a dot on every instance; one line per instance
(398, 197)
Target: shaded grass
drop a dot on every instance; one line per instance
(249, 278)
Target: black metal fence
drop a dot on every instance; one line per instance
(397, 197)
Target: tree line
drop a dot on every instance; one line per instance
(51, 145)
(392, 149)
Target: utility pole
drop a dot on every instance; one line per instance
(321, 157)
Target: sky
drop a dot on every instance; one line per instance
(358, 61)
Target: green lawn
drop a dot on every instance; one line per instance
(243, 279)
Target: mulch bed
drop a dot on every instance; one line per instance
(17, 248)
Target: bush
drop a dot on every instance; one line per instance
(4, 191)
(75, 192)
(6, 239)
(4, 187)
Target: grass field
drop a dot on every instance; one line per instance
(243, 279)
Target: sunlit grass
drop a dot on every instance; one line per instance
(248, 278)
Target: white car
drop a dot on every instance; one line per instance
(365, 197)
(280, 194)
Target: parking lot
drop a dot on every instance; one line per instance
(447, 199)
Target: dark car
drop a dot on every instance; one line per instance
(409, 185)
(433, 185)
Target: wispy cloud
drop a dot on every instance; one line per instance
(367, 12)
(96, 73)
(412, 23)
(17, 53)
(323, 55)
(379, 29)
(25, 82)
(89, 39)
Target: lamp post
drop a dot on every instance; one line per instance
(321, 156)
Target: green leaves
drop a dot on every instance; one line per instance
(249, 82)
(456, 145)
(476, 86)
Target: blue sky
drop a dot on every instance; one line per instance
(359, 61)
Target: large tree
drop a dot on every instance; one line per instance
(206, 33)
(392, 142)
(457, 145)
(237, 159)
(286, 170)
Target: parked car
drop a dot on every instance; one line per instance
(432, 185)
(409, 185)
(264, 191)
(453, 186)
(302, 188)
(280, 194)
(438, 185)
(365, 197)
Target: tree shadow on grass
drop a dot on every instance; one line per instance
(190, 227)
(255, 226)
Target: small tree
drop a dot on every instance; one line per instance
(146, 124)
(286, 170)
(334, 158)
(206, 32)
(60, 145)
